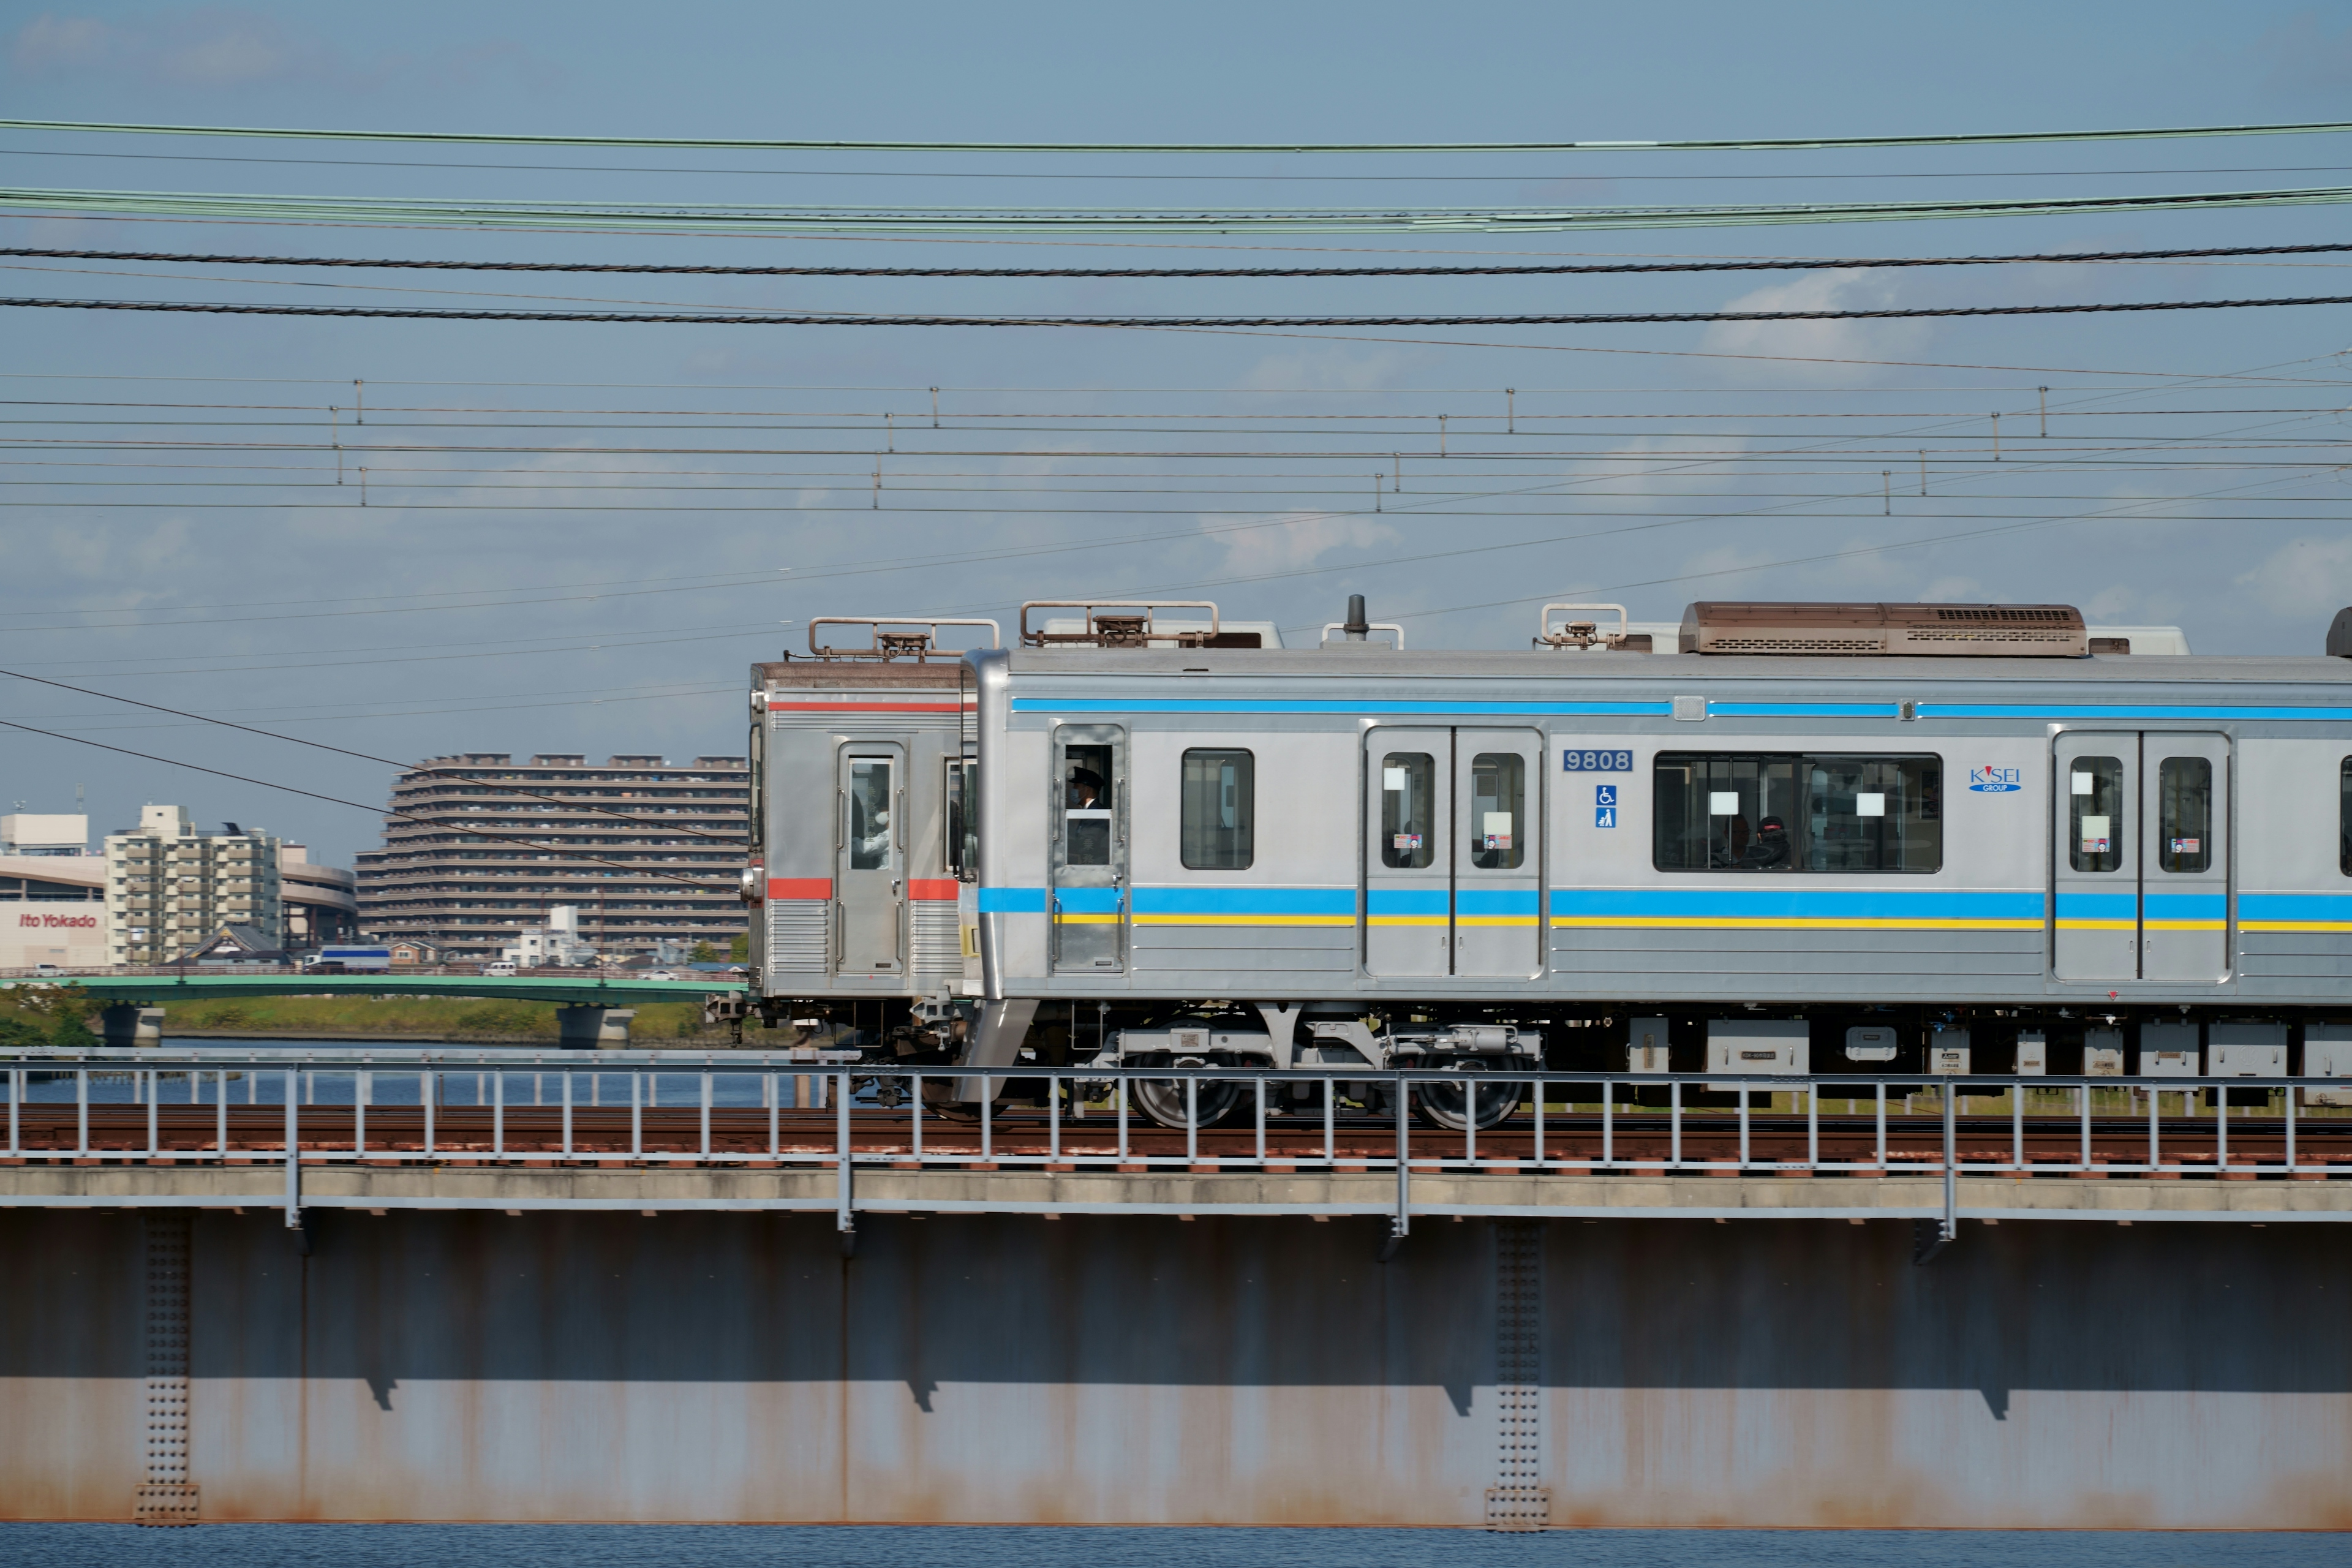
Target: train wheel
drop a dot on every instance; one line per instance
(1446, 1105)
(1162, 1100)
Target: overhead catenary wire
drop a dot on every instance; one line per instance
(1660, 144)
(1475, 269)
(805, 319)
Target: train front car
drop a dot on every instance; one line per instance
(863, 851)
(1797, 838)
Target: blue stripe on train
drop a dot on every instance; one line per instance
(1793, 903)
(1245, 901)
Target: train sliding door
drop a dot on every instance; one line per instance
(2141, 862)
(1451, 858)
(870, 861)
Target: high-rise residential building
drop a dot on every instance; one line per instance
(484, 848)
(170, 888)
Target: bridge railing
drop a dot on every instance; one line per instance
(406, 1105)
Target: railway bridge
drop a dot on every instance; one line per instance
(369, 1283)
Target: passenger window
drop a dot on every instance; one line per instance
(2094, 833)
(1733, 812)
(1499, 797)
(1087, 783)
(2184, 814)
(1408, 798)
(1219, 793)
(869, 814)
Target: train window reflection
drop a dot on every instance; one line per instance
(1783, 814)
(869, 814)
(961, 852)
(1408, 804)
(1499, 797)
(1219, 790)
(2184, 814)
(2095, 814)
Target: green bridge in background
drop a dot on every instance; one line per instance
(588, 991)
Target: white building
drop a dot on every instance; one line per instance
(29, 833)
(556, 942)
(169, 887)
(52, 911)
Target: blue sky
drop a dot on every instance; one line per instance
(550, 601)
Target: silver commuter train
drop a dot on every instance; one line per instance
(1814, 837)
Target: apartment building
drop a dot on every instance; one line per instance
(485, 847)
(170, 888)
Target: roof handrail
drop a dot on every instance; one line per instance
(1094, 635)
(889, 645)
(1582, 633)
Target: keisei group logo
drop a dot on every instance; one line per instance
(1996, 780)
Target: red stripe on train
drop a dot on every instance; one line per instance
(932, 891)
(775, 707)
(800, 888)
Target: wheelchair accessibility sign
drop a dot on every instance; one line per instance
(1604, 805)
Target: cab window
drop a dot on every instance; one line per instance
(1087, 781)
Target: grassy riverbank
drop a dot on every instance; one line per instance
(418, 1015)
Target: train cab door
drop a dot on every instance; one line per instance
(870, 860)
(1496, 860)
(1087, 851)
(2140, 861)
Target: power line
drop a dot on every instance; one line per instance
(475, 830)
(1973, 139)
(1769, 264)
(757, 217)
(798, 319)
(340, 751)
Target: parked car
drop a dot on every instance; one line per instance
(658, 974)
(499, 967)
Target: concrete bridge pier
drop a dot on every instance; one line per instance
(129, 1023)
(585, 1027)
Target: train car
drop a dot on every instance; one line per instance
(1811, 837)
(864, 835)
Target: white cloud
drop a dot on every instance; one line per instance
(2303, 578)
(1300, 543)
(1795, 343)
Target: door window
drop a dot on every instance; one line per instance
(1087, 781)
(1218, 792)
(2094, 833)
(870, 829)
(1498, 792)
(1408, 798)
(961, 853)
(2344, 816)
(2184, 814)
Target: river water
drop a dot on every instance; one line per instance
(950, 1546)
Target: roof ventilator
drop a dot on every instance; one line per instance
(1940, 631)
(1355, 631)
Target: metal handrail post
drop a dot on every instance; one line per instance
(429, 1089)
(987, 1120)
(1675, 1124)
(842, 1220)
(1540, 1086)
(81, 1113)
(1331, 1123)
(154, 1093)
(567, 1115)
(917, 1101)
(498, 1114)
(636, 1116)
(1951, 1227)
(2222, 1127)
(705, 1155)
(2290, 1127)
(1259, 1083)
(2082, 1099)
(1607, 1122)
(16, 1096)
(1122, 1122)
(2154, 1129)
(775, 1093)
(1054, 1118)
(1813, 1126)
(1743, 1127)
(1881, 1161)
(361, 1084)
(293, 1150)
(1404, 1222)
